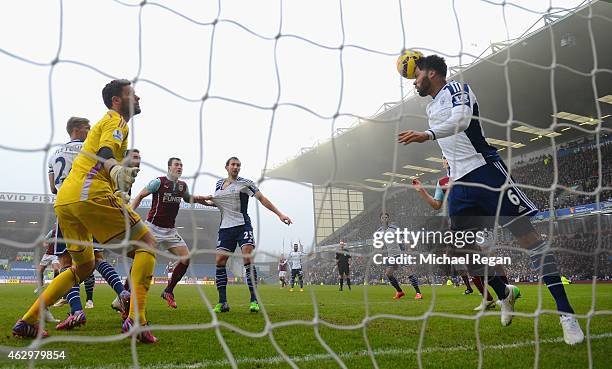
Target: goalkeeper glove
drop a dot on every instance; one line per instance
(123, 177)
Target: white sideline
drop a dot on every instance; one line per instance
(343, 355)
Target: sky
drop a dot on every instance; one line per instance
(244, 72)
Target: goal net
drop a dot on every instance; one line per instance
(307, 96)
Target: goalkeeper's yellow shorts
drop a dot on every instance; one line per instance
(106, 218)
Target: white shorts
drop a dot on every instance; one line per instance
(48, 260)
(282, 274)
(167, 237)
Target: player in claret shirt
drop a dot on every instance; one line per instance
(168, 191)
(282, 271)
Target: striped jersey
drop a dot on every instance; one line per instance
(454, 122)
(61, 161)
(295, 259)
(233, 201)
(87, 178)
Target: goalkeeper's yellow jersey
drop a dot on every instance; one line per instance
(87, 178)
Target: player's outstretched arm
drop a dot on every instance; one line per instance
(141, 195)
(268, 204)
(435, 204)
(204, 200)
(458, 121)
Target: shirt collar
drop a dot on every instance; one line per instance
(113, 114)
(440, 92)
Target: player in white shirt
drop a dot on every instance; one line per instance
(60, 164)
(394, 250)
(295, 261)
(454, 121)
(232, 198)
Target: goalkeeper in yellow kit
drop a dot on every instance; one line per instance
(90, 203)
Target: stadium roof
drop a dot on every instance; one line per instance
(528, 96)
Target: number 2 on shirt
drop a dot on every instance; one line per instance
(62, 161)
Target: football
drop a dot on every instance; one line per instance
(406, 63)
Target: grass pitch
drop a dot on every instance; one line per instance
(393, 330)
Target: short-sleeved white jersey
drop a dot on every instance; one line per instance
(233, 201)
(60, 163)
(295, 259)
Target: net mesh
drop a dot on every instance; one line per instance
(197, 97)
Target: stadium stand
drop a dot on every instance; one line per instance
(578, 168)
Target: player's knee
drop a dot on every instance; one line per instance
(183, 253)
(146, 251)
(247, 251)
(149, 239)
(147, 282)
(99, 256)
(98, 260)
(84, 270)
(221, 260)
(65, 259)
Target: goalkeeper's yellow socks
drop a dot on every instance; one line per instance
(58, 288)
(141, 274)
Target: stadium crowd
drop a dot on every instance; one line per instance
(577, 256)
(578, 169)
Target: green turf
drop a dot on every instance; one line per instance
(449, 342)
